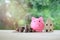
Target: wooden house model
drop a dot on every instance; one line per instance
(49, 25)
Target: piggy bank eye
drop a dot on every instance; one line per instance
(39, 21)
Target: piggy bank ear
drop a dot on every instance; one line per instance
(33, 18)
(41, 18)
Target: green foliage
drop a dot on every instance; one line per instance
(46, 8)
(1, 1)
(21, 23)
(37, 8)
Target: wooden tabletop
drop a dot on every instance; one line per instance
(12, 35)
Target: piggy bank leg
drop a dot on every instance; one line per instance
(40, 31)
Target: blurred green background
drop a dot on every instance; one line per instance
(18, 13)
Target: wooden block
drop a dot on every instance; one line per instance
(49, 25)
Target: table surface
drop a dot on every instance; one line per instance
(12, 35)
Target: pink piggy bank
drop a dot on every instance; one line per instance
(37, 24)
